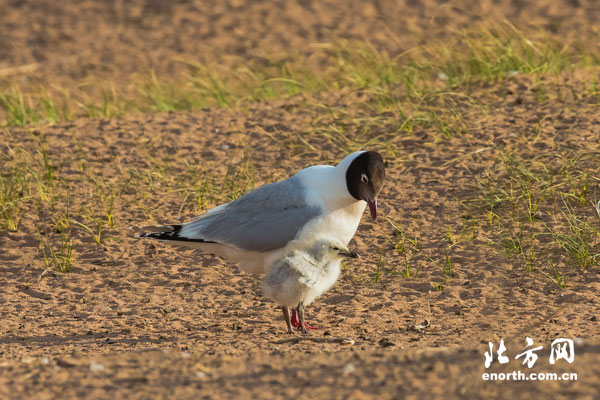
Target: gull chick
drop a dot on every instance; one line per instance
(301, 276)
(264, 225)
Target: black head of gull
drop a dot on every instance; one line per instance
(365, 177)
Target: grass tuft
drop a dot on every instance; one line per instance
(421, 83)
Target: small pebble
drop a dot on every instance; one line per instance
(201, 374)
(95, 366)
(349, 368)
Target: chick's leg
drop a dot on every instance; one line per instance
(286, 316)
(301, 318)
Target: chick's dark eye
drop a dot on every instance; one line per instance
(336, 248)
(364, 178)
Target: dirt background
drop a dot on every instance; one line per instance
(141, 320)
(71, 43)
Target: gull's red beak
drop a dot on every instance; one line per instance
(373, 208)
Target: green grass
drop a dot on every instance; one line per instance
(17, 184)
(407, 247)
(38, 185)
(538, 209)
(21, 108)
(541, 210)
(558, 279)
(13, 192)
(578, 237)
(379, 266)
(425, 84)
(59, 255)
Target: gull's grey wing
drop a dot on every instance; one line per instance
(262, 220)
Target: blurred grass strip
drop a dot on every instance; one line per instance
(472, 57)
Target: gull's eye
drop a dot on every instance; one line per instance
(364, 178)
(336, 249)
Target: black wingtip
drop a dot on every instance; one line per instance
(165, 235)
(173, 234)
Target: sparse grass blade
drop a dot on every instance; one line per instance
(17, 108)
(556, 278)
(13, 189)
(580, 238)
(379, 265)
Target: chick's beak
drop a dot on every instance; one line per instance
(373, 208)
(349, 254)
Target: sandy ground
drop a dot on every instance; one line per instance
(73, 43)
(143, 320)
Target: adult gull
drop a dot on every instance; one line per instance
(269, 222)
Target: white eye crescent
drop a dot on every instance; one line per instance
(364, 178)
